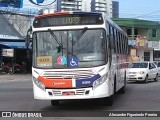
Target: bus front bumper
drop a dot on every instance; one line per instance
(78, 93)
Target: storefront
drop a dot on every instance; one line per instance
(140, 50)
(14, 52)
(156, 52)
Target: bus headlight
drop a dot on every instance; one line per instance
(39, 84)
(100, 81)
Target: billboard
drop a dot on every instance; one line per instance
(133, 52)
(131, 42)
(11, 3)
(8, 52)
(42, 2)
(154, 44)
(141, 42)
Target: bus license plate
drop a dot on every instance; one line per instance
(68, 93)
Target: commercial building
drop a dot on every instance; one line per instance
(85, 5)
(102, 6)
(115, 9)
(12, 44)
(144, 36)
(66, 5)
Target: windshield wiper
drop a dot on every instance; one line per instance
(52, 33)
(81, 34)
(60, 47)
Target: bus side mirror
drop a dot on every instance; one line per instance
(28, 37)
(27, 40)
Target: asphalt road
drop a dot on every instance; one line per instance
(16, 95)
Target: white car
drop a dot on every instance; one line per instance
(142, 71)
(158, 66)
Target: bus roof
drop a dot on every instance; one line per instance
(66, 12)
(79, 13)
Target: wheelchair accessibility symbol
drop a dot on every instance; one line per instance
(73, 62)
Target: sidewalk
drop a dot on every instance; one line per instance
(15, 77)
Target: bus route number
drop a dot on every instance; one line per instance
(44, 60)
(72, 20)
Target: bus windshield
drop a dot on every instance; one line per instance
(69, 48)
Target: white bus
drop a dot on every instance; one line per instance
(78, 55)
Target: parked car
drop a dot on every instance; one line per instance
(158, 66)
(142, 71)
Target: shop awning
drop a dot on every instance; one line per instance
(14, 44)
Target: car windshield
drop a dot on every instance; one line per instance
(69, 48)
(138, 65)
(157, 64)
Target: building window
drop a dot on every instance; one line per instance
(146, 56)
(129, 32)
(135, 31)
(156, 55)
(154, 32)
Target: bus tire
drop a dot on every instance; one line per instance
(54, 102)
(122, 90)
(108, 101)
(115, 85)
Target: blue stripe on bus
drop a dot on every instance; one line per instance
(84, 82)
(91, 13)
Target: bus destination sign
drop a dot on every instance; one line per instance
(70, 19)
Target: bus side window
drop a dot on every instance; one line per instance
(110, 40)
(115, 41)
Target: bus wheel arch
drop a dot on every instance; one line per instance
(108, 101)
(122, 90)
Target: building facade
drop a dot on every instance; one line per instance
(115, 9)
(66, 5)
(144, 36)
(85, 5)
(102, 6)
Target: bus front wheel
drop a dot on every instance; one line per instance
(108, 101)
(54, 102)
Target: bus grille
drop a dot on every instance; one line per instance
(77, 92)
(68, 74)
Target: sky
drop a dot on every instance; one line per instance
(141, 9)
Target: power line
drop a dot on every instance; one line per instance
(148, 14)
